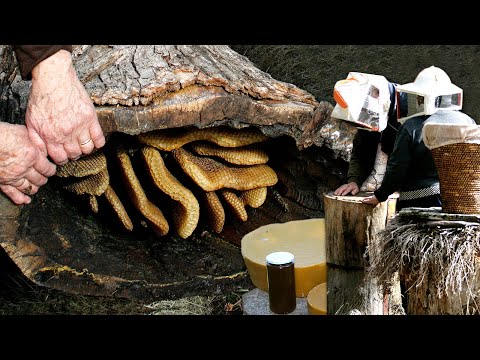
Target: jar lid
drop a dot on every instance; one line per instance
(279, 258)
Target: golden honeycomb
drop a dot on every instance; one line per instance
(212, 172)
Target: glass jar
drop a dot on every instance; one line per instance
(281, 282)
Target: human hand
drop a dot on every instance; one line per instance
(60, 117)
(345, 189)
(371, 200)
(23, 167)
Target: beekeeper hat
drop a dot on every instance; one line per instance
(438, 93)
(431, 81)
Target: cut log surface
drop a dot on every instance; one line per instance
(351, 225)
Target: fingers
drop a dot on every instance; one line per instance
(61, 154)
(35, 178)
(19, 190)
(93, 139)
(25, 186)
(15, 195)
(96, 135)
(86, 143)
(43, 167)
(73, 149)
(37, 141)
(83, 145)
(341, 190)
(370, 200)
(57, 153)
(346, 189)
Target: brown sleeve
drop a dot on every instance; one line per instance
(29, 56)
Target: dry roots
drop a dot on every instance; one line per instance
(447, 257)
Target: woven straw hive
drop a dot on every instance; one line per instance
(456, 152)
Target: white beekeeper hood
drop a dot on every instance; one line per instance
(363, 99)
(434, 87)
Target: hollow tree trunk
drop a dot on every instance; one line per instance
(139, 88)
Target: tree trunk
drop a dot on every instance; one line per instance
(350, 227)
(139, 88)
(423, 299)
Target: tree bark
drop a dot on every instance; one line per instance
(138, 88)
(350, 228)
(423, 298)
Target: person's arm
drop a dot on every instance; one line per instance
(397, 165)
(29, 56)
(362, 160)
(60, 117)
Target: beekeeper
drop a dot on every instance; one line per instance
(373, 106)
(410, 169)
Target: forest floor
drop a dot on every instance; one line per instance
(20, 296)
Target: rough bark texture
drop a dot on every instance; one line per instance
(138, 88)
(423, 298)
(350, 227)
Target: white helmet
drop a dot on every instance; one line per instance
(437, 90)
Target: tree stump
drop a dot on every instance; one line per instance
(350, 228)
(423, 298)
(437, 257)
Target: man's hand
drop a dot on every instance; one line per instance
(60, 117)
(371, 200)
(346, 189)
(23, 167)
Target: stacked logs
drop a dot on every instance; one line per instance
(226, 170)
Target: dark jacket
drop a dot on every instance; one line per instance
(365, 142)
(29, 56)
(410, 167)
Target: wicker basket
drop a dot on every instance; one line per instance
(458, 168)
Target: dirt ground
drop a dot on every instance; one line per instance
(19, 296)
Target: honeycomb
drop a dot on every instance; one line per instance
(215, 172)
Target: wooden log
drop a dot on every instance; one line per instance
(451, 223)
(350, 228)
(423, 298)
(139, 88)
(434, 213)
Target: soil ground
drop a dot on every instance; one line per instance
(19, 296)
